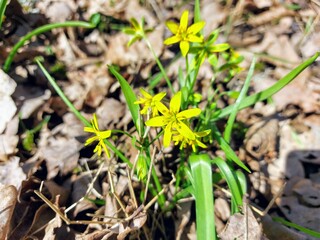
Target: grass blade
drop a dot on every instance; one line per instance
(3, 6)
(235, 109)
(296, 226)
(230, 154)
(130, 99)
(43, 29)
(260, 96)
(202, 183)
(232, 181)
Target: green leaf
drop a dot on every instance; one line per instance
(296, 226)
(3, 6)
(202, 184)
(242, 181)
(244, 90)
(219, 47)
(230, 154)
(130, 99)
(232, 181)
(260, 96)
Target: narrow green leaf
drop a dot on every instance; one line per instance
(230, 154)
(130, 99)
(260, 96)
(242, 181)
(244, 90)
(3, 6)
(233, 183)
(202, 179)
(298, 227)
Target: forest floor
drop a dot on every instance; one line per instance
(278, 139)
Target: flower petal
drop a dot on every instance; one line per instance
(159, 96)
(88, 129)
(162, 108)
(194, 38)
(196, 27)
(105, 134)
(145, 93)
(173, 27)
(167, 135)
(184, 130)
(203, 133)
(184, 21)
(175, 103)
(95, 122)
(156, 122)
(91, 140)
(200, 144)
(184, 47)
(105, 148)
(172, 40)
(98, 149)
(189, 113)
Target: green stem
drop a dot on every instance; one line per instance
(77, 113)
(164, 74)
(40, 30)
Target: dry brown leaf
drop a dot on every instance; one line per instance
(242, 226)
(8, 144)
(222, 209)
(261, 139)
(50, 233)
(126, 227)
(213, 14)
(61, 154)
(30, 105)
(11, 173)
(110, 113)
(8, 196)
(263, 3)
(7, 106)
(270, 15)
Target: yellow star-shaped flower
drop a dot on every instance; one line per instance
(150, 102)
(99, 136)
(183, 33)
(173, 120)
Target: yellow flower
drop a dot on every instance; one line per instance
(99, 136)
(151, 102)
(183, 33)
(178, 138)
(173, 120)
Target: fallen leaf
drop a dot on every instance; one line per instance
(7, 105)
(8, 194)
(61, 155)
(242, 226)
(8, 144)
(11, 173)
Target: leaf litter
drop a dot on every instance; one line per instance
(281, 144)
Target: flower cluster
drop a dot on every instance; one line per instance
(173, 121)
